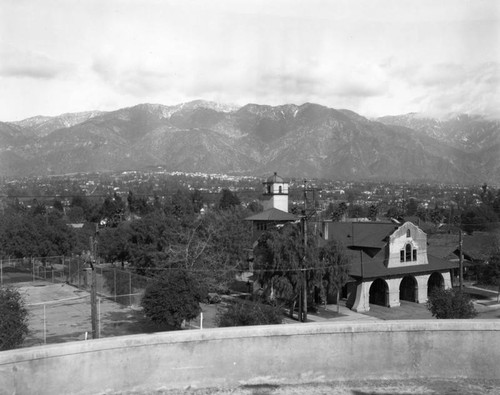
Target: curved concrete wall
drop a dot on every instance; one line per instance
(251, 355)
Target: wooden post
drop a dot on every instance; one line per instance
(130, 288)
(99, 318)
(93, 304)
(304, 304)
(44, 326)
(299, 312)
(304, 273)
(93, 291)
(460, 261)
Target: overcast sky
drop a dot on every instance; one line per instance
(375, 57)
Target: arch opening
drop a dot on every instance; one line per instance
(408, 289)
(436, 281)
(379, 293)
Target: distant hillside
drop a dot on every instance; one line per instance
(306, 140)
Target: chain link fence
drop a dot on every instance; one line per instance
(116, 284)
(62, 313)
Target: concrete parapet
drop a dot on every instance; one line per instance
(226, 357)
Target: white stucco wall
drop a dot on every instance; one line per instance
(276, 199)
(398, 241)
(228, 357)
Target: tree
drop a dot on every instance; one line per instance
(339, 212)
(22, 235)
(335, 268)
(489, 273)
(412, 207)
(373, 213)
(58, 205)
(393, 212)
(13, 319)
(286, 267)
(181, 206)
(478, 219)
(114, 244)
(450, 303)
(173, 298)
(215, 245)
(138, 205)
(244, 313)
(76, 214)
(228, 200)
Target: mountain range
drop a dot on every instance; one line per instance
(307, 140)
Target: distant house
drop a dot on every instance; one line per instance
(476, 248)
(389, 263)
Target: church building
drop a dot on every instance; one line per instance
(389, 263)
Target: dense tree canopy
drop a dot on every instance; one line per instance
(172, 298)
(41, 235)
(334, 268)
(13, 319)
(228, 200)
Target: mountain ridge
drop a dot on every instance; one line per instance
(307, 140)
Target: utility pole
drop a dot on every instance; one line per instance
(304, 273)
(307, 213)
(460, 260)
(93, 286)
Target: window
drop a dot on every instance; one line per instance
(408, 254)
(261, 226)
(408, 233)
(279, 189)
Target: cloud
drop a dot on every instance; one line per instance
(131, 78)
(470, 89)
(27, 64)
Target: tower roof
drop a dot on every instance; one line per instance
(274, 179)
(273, 215)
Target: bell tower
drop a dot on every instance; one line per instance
(275, 193)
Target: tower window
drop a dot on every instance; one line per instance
(408, 252)
(280, 189)
(408, 233)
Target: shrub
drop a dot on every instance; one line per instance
(450, 303)
(13, 319)
(173, 298)
(489, 273)
(243, 313)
